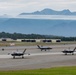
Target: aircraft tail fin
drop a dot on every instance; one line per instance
(74, 49)
(24, 51)
(38, 46)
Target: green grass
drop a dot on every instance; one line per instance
(50, 71)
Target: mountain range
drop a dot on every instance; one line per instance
(48, 11)
(38, 26)
(58, 27)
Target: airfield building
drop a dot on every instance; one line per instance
(32, 40)
(39, 40)
(6, 39)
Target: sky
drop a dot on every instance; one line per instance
(15, 7)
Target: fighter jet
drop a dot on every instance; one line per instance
(69, 51)
(18, 54)
(44, 48)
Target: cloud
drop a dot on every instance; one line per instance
(18, 6)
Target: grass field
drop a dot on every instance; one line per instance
(50, 71)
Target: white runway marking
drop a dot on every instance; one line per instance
(34, 54)
(5, 56)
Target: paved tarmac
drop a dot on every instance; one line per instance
(37, 59)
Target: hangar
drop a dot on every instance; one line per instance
(6, 39)
(32, 40)
(39, 40)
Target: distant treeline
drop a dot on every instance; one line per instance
(34, 36)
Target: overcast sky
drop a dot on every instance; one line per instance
(15, 7)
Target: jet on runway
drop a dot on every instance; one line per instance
(69, 51)
(18, 54)
(44, 48)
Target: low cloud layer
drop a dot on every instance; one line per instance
(14, 7)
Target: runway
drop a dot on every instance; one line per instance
(35, 54)
(37, 59)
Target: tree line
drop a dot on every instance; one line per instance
(34, 36)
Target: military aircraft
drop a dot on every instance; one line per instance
(18, 54)
(69, 51)
(44, 48)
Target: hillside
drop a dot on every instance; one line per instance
(39, 26)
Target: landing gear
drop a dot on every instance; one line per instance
(65, 53)
(13, 57)
(72, 53)
(22, 56)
